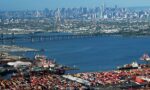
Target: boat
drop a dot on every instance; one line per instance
(50, 65)
(39, 57)
(133, 65)
(145, 57)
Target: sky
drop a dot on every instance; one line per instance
(53, 4)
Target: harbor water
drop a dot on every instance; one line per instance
(99, 53)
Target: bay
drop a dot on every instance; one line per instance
(99, 53)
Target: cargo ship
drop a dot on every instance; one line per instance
(133, 65)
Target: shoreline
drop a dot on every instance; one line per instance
(38, 73)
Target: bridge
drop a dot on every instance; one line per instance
(34, 37)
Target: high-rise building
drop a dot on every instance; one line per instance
(102, 11)
(37, 14)
(57, 19)
(93, 19)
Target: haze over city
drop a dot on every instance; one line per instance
(53, 4)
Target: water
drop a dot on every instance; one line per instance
(93, 54)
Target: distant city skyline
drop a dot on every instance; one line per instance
(53, 4)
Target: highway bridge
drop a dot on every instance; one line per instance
(34, 37)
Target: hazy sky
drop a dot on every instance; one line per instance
(52, 4)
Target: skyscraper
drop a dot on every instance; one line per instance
(57, 19)
(102, 11)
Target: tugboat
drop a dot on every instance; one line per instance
(133, 65)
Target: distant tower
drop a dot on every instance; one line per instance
(102, 11)
(37, 14)
(57, 20)
(93, 19)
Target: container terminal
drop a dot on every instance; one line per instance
(41, 73)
